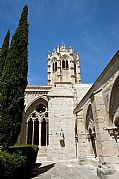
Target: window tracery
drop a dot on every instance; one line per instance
(37, 118)
(54, 65)
(65, 64)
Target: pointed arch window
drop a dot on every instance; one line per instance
(65, 64)
(30, 131)
(53, 67)
(36, 132)
(74, 67)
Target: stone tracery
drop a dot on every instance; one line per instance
(38, 125)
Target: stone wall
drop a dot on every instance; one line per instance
(105, 133)
(61, 123)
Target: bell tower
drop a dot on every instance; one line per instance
(63, 66)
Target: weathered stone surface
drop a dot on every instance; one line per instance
(62, 170)
(75, 120)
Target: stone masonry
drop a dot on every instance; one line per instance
(68, 119)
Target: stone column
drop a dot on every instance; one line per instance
(58, 68)
(83, 145)
(78, 73)
(49, 70)
(33, 133)
(46, 133)
(72, 68)
(39, 133)
(108, 156)
(26, 132)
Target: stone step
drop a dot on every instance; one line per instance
(43, 149)
(42, 152)
(40, 159)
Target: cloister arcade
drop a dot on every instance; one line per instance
(37, 123)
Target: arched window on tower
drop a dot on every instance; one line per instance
(74, 68)
(54, 64)
(53, 68)
(65, 65)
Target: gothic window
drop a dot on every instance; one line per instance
(37, 124)
(30, 131)
(34, 115)
(74, 67)
(65, 65)
(53, 68)
(36, 132)
(40, 108)
(54, 65)
(46, 115)
(43, 133)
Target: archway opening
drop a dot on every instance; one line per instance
(30, 131)
(114, 105)
(43, 133)
(37, 123)
(92, 139)
(90, 130)
(36, 132)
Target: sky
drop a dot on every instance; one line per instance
(91, 27)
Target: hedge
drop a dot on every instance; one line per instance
(16, 160)
(29, 151)
(11, 164)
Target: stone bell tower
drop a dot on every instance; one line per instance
(63, 72)
(63, 66)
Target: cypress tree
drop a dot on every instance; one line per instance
(14, 82)
(3, 52)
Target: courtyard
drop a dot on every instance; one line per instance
(62, 170)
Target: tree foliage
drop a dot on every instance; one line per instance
(3, 52)
(13, 83)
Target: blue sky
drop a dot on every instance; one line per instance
(91, 27)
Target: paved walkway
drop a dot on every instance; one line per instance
(62, 170)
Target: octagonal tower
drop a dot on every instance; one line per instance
(63, 66)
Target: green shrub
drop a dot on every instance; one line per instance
(29, 151)
(10, 164)
(16, 160)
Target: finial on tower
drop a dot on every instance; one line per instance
(63, 44)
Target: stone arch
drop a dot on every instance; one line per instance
(76, 136)
(114, 104)
(43, 132)
(65, 62)
(90, 129)
(54, 64)
(30, 107)
(89, 118)
(34, 115)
